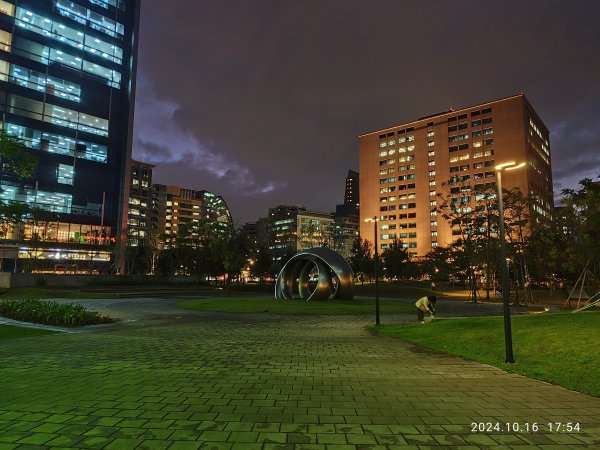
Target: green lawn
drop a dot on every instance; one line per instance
(559, 348)
(36, 292)
(11, 332)
(268, 304)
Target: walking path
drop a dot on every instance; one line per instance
(187, 379)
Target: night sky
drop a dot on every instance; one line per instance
(262, 101)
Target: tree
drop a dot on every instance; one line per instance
(517, 226)
(14, 156)
(262, 265)
(438, 263)
(18, 162)
(362, 260)
(12, 216)
(549, 252)
(156, 244)
(396, 260)
(235, 254)
(457, 207)
(37, 221)
(137, 259)
(581, 227)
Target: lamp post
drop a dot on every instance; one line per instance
(509, 358)
(374, 220)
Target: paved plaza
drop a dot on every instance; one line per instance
(178, 379)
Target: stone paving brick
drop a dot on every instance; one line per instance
(257, 381)
(12, 436)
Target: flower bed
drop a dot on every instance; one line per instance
(51, 313)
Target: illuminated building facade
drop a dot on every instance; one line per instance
(180, 212)
(404, 168)
(352, 193)
(346, 230)
(139, 213)
(67, 83)
(346, 225)
(292, 228)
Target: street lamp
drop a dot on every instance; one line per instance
(512, 165)
(374, 220)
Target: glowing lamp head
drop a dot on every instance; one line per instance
(510, 165)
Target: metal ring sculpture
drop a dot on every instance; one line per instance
(334, 278)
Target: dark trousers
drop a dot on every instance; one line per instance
(420, 315)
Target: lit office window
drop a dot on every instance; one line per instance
(65, 174)
(7, 8)
(106, 3)
(58, 115)
(40, 82)
(5, 40)
(46, 27)
(4, 69)
(50, 201)
(89, 18)
(113, 76)
(32, 138)
(43, 54)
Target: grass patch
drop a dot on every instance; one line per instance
(12, 332)
(25, 293)
(50, 313)
(264, 304)
(559, 348)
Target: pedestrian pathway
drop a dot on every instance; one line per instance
(212, 380)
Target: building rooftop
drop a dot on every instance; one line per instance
(451, 111)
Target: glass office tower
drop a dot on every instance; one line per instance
(67, 83)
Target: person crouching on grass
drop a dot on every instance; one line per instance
(425, 304)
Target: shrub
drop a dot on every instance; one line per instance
(51, 313)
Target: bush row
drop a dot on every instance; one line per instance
(50, 313)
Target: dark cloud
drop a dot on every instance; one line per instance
(579, 135)
(262, 101)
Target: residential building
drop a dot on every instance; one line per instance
(67, 84)
(403, 168)
(346, 217)
(352, 192)
(351, 196)
(139, 214)
(180, 212)
(257, 232)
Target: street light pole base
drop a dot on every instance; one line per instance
(509, 361)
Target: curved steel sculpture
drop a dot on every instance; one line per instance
(315, 274)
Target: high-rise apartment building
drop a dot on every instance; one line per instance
(139, 213)
(67, 83)
(351, 196)
(346, 217)
(352, 193)
(404, 167)
(179, 212)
